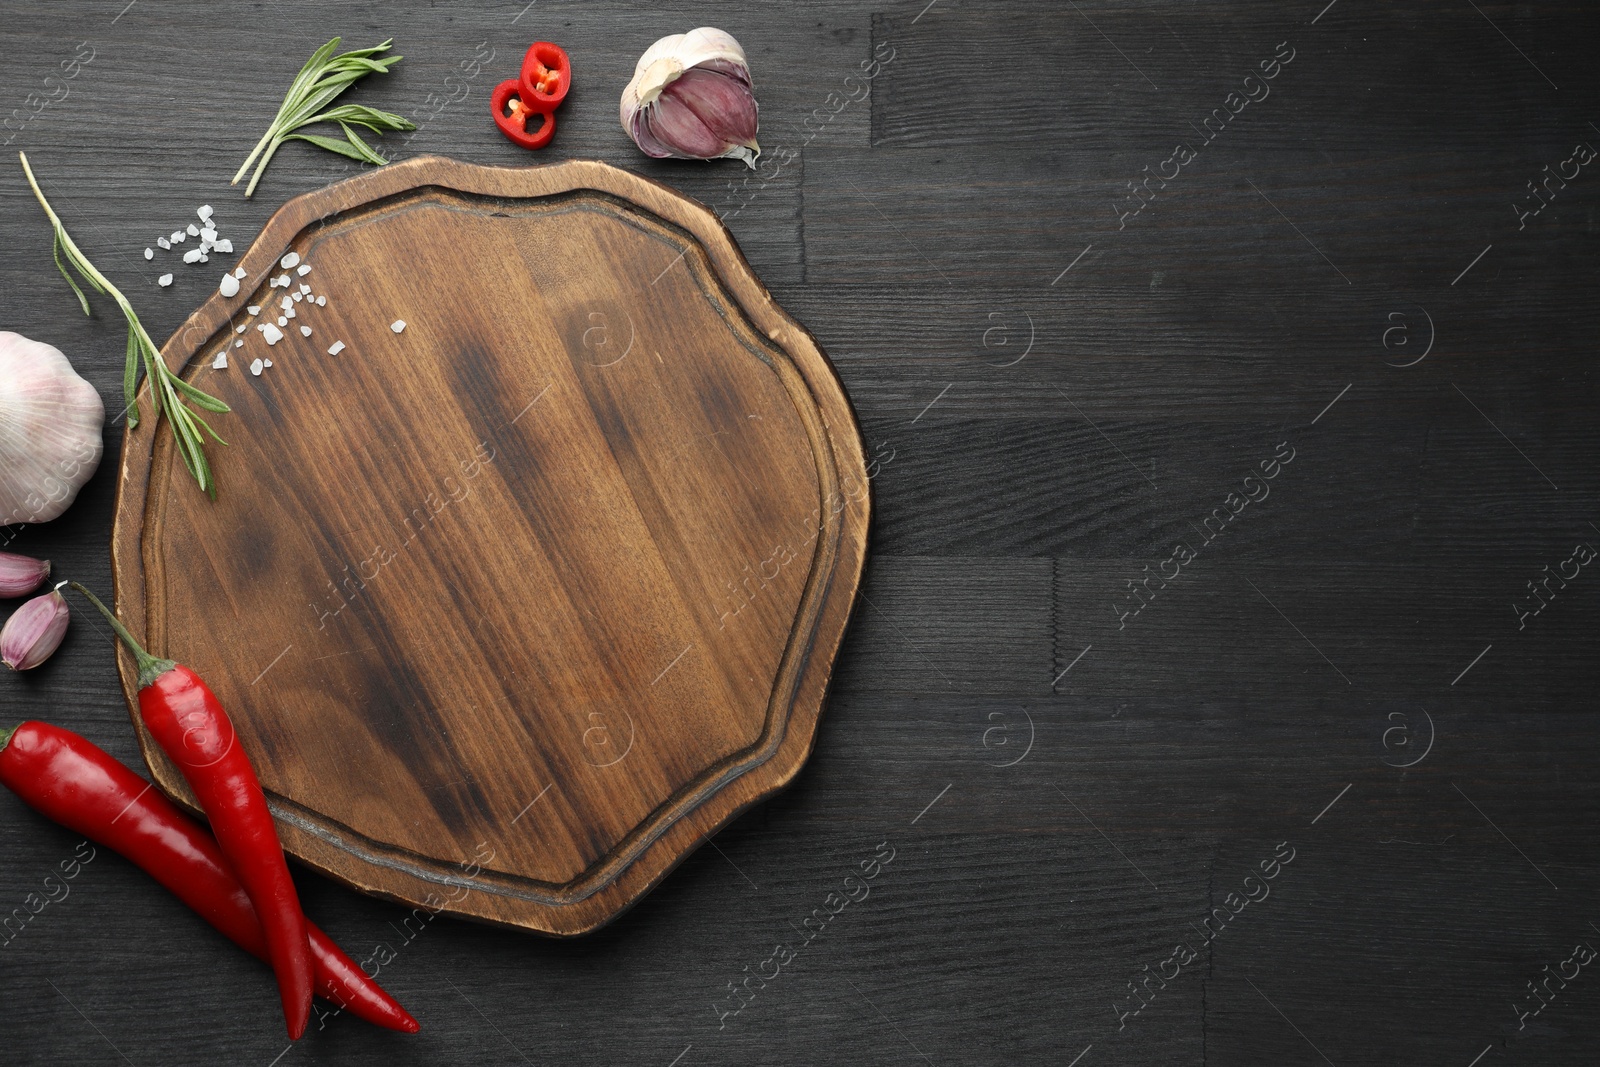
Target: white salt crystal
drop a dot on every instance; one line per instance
(254, 309)
(305, 268)
(164, 280)
(271, 333)
(163, 242)
(193, 230)
(255, 367)
(335, 348)
(238, 272)
(321, 301)
(283, 320)
(398, 325)
(221, 361)
(205, 212)
(289, 260)
(305, 331)
(149, 253)
(224, 245)
(192, 256)
(229, 286)
(178, 237)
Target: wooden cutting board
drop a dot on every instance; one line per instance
(515, 607)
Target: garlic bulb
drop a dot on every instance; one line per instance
(691, 98)
(50, 422)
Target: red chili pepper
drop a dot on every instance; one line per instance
(69, 779)
(190, 725)
(512, 115)
(546, 76)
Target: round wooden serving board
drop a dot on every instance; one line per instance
(515, 607)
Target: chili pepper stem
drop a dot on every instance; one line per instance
(5, 737)
(149, 666)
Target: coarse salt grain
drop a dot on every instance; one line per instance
(304, 288)
(299, 297)
(178, 237)
(192, 256)
(193, 230)
(283, 280)
(238, 344)
(163, 242)
(289, 260)
(205, 212)
(255, 367)
(254, 309)
(221, 361)
(289, 313)
(164, 280)
(335, 348)
(305, 331)
(271, 333)
(283, 320)
(208, 235)
(304, 269)
(224, 245)
(229, 286)
(398, 325)
(266, 363)
(286, 303)
(239, 272)
(321, 301)
(149, 253)
(241, 328)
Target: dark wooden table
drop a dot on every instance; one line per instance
(1230, 384)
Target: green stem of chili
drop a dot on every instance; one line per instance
(149, 666)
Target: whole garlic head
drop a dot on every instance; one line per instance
(691, 97)
(50, 421)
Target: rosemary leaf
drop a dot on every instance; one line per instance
(343, 148)
(324, 76)
(164, 385)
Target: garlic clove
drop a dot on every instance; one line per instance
(678, 126)
(34, 631)
(50, 425)
(21, 575)
(691, 97)
(722, 102)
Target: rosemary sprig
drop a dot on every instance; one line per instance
(167, 390)
(324, 77)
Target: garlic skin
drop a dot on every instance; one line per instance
(691, 97)
(21, 575)
(34, 631)
(50, 422)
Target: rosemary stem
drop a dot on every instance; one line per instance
(272, 132)
(262, 169)
(66, 239)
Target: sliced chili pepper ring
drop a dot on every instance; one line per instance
(546, 76)
(511, 114)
